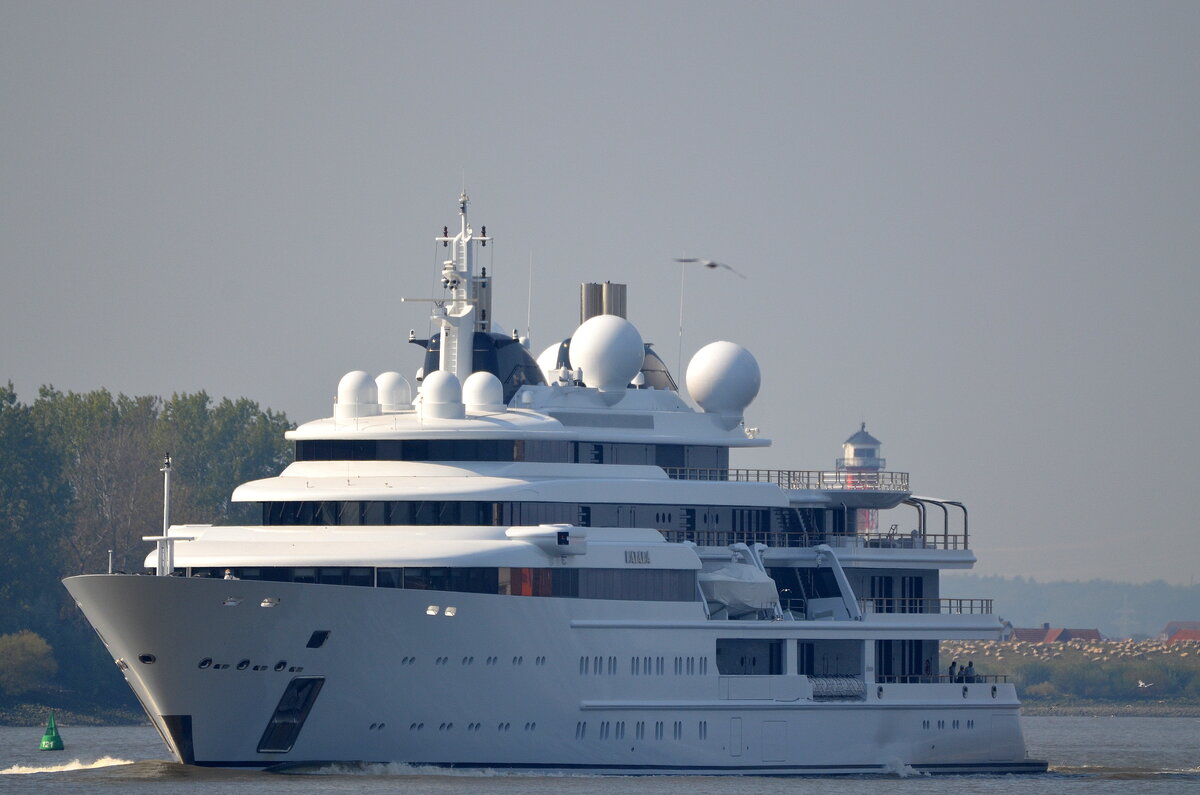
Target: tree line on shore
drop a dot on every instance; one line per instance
(80, 476)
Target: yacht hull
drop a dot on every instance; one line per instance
(226, 670)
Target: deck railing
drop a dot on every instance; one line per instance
(799, 479)
(926, 679)
(945, 606)
(876, 605)
(799, 538)
(913, 540)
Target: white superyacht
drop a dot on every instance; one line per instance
(548, 564)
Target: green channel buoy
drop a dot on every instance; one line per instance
(50, 740)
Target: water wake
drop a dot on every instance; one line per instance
(75, 764)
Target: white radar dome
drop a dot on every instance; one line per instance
(395, 393)
(357, 396)
(483, 391)
(609, 351)
(723, 378)
(441, 395)
(547, 362)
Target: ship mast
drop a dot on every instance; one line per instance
(468, 306)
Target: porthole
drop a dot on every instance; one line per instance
(279, 666)
(243, 665)
(206, 662)
(147, 659)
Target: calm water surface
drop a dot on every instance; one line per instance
(1092, 754)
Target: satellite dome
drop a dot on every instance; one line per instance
(441, 396)
(547, 362)
(394, 391)
(357, 396)
(609, 351)
(723, 378)
(441, 386)
(483, 391)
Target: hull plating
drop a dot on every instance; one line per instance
(504, 682)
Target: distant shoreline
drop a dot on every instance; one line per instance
(37, 715)
(1110, 709)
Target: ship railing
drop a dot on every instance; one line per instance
(799, 538)
(799, 479)
(723, 538)
(960, 679)
(944, 606)
(871, 605)
(890, 540)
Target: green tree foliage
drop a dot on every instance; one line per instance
(33, 502)
(108, 462)
(218, 446)
(79, 475)
(26, 661)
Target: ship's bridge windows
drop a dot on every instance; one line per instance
(554, 451)
(701, 524)
(653, 585)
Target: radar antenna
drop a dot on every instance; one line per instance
(466, 303)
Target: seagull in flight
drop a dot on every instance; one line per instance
(1144, 684)
(710, 264)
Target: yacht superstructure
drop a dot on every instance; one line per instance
(549, 564)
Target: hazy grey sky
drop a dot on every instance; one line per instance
(976, 226)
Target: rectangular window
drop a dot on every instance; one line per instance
(882, 593)
(329, 575)
(669, 455)
(747, 657)
(427, 579)
(374, 512)
(361, 576)
(805, 659)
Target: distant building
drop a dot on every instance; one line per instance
(1173, 627)
(1047, 634)
(1062, 635)
(1185, 635)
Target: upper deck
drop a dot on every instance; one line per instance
(801, 479)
